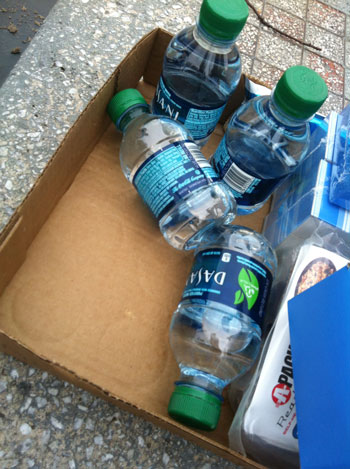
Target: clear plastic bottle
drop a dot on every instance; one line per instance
(202, 68)
(215, 332)
(268, 136)
(169, 172)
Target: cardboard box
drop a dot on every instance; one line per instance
(88, 283)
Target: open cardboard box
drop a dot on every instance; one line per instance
(88, 283)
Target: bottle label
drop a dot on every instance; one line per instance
(200, 121)
(230, 278)
(171, 174)
(247, 189)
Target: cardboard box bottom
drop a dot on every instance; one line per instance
(92, 301)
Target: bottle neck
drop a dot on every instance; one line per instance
(131, 114)
(211, 43)
(281, 116)
(194, 377)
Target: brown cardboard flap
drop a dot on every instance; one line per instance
(93, 299)
(13, 249)
(137, 61)
(155, 63)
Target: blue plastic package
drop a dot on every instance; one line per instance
(302, 200)
(340, 179)
(319, 323)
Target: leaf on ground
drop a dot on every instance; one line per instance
(12, 28)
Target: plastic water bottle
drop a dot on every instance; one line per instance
(215, 332)
(268, 136)
(169, 172)
(202, 68)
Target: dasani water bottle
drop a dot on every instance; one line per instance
(202, 68)
(169, 172)
(215, 332)
(268, 136)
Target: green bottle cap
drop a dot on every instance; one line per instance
(122, 101)
(194, 407)
(300, 92)
(223, 19)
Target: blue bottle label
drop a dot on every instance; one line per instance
(247, 189)
(232, 279)
(171, 174)
(200, 121)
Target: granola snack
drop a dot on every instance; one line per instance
(313, 273)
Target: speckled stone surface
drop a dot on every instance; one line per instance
(47, 423)
(248, 39)
(326, 17)
(44, 422)
(266, 73)
(342, 5)
(332, 72)
(332, 45)
(252, 18)
(60, 72)
(285, 22)
(347, 84)
(272, 48)
(296, 7)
